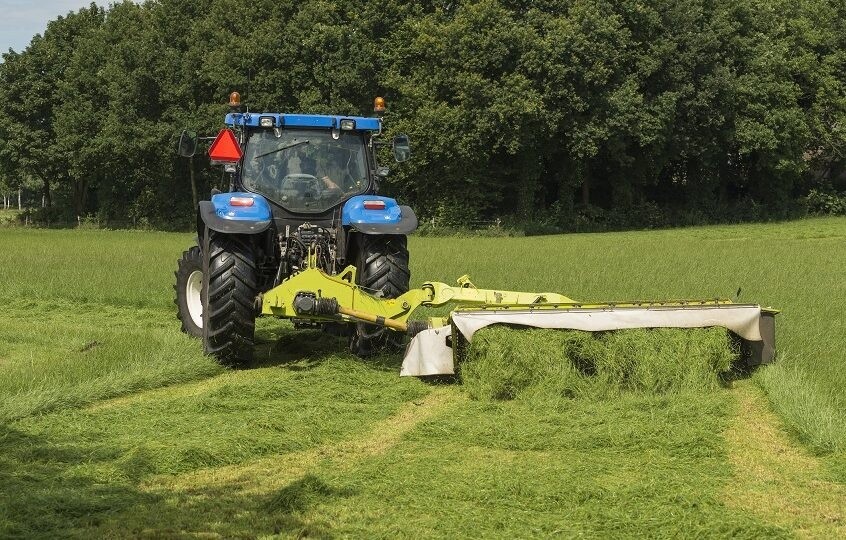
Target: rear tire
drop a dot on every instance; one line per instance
(229, 293)
(382, 270)
(188, 286)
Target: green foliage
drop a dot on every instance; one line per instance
(9, 218)
(684, 107)
(826, 203)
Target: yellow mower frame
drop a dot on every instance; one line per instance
(315, 296)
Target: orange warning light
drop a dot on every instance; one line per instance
(379, 105)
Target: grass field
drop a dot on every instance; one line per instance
(113, 424)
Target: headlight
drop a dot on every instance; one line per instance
(267, 121)
(347, 124)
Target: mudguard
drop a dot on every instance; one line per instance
(220, 215)
(389, 218)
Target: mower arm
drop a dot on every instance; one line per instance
(314, 295)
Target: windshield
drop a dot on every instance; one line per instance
(305, 170)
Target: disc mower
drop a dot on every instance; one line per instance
(439, 343)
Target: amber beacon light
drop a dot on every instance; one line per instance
(379, 105)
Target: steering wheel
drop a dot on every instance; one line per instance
(303, 188)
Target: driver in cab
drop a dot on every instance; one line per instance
(339, 174)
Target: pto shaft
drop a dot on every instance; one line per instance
(375, 319)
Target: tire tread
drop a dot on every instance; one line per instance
(231, 318)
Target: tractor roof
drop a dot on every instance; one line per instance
(362, 123)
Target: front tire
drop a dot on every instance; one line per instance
(382, 270)
(229, 293)
(189, 285)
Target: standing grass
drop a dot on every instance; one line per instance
(123, 268)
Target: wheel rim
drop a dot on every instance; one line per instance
(193, 297)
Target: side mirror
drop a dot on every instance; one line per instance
(187, 145)
(402, 148)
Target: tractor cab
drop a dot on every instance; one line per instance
(306, 169)
(302, 163)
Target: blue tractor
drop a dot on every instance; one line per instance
(302, 191)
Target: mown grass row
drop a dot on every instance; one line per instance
(87, 315)
(542, 364)
(56, 355)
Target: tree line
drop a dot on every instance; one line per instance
(566, 112)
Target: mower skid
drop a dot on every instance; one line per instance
(436, 351)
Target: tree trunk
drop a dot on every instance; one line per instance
(19, 199)
(46, 200)
(586, 191)
(724, 181)
(80, 192)
(529, 172)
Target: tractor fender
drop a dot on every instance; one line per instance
(381, 215)
(244, 217)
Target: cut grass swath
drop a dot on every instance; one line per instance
(508, 363)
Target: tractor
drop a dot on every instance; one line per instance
(302, 194)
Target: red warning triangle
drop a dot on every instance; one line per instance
(225, 148)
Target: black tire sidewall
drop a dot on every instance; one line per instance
(190, 262)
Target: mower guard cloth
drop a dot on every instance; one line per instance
(430, 354)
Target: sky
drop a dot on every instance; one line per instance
(22, 19)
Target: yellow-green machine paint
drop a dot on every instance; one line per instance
(316, 296)
(281, 301)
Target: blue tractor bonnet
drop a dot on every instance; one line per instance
(359, 123)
